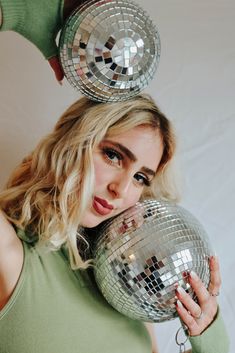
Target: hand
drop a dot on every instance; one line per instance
(39, 22)
(197, 317)
(0, 16)
(69, 6)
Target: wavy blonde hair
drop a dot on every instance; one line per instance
(49, 191)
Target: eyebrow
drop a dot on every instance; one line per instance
(131, 156)
(148, 171)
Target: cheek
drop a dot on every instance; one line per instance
(101, 172)
(98, 175)
(132, 197)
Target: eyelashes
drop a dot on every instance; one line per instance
(142, 179)
(114, 158)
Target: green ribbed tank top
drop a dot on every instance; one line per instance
(56, 310)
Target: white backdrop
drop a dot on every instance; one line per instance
(194, 86)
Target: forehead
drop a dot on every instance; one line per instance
(136, 134)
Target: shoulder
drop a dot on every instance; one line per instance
(11, 259)
(8, 236)
(150, 329)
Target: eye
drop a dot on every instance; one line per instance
(142, 179)
(112, 156)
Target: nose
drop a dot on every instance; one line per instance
(120, 188)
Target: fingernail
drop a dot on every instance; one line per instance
(179, 304)
(193, 275)
(60, 82)
(180, 290)
(214, 257)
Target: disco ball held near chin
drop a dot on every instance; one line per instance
(109, 49)
(141, 254)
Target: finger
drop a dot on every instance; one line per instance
(185, 316)
(198, 288)
(215, 281)
(55, 64)
(188, 302)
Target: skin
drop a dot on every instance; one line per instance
(120, 176)
(69, 7)
(110, 174)
(0, 16)
(197, 317)
(11, 264)
(120, 182)
(11, 259)
(116, 182)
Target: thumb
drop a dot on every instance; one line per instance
(55, 65)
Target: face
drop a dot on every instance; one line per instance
(124, 165)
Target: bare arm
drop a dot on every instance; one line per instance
(11, 260)
(151, 332)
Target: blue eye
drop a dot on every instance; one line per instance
(112, 156)
(142, 180)
(116, 159)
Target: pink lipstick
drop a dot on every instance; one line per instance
(102, 206)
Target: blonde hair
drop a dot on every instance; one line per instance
(49, 191)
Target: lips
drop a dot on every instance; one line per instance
(102, 206)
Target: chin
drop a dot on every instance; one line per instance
(90, 223)
(90, 220)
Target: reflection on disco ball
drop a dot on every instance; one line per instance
(141, 254)
(109, 49)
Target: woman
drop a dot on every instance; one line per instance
(99, 160)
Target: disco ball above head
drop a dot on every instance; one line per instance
(109, 49)
(141, 254)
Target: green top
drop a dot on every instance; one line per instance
(39, 21)
(213, 340)
(56, 310)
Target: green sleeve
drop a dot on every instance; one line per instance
(37, 20)
(213, 340)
